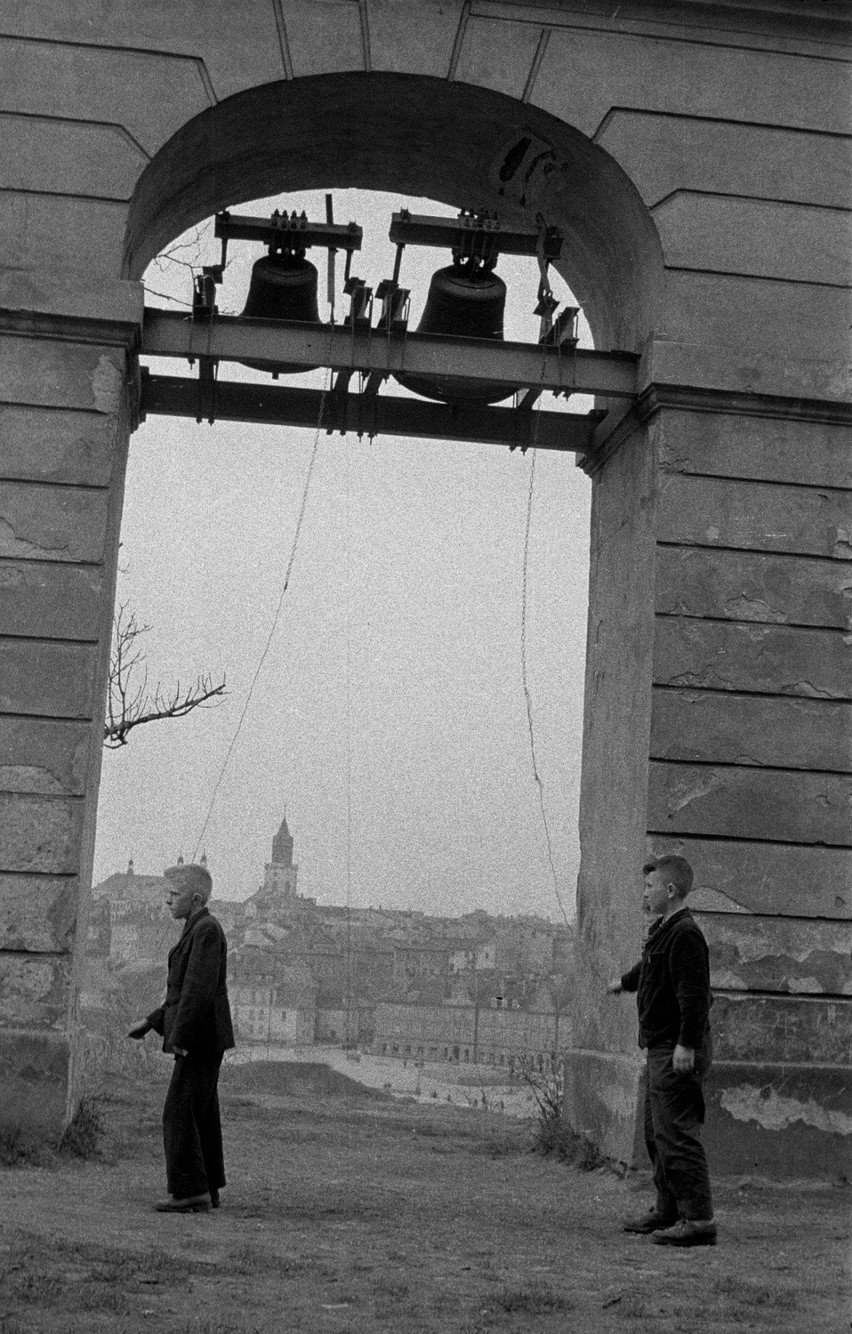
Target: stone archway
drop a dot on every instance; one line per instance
(700, 194)
(461, 144)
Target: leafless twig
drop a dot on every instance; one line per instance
(129, 701)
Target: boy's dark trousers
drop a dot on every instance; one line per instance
(674, 1115)
(192, 1130)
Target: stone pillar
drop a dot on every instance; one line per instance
(66, 409)
(718, 726)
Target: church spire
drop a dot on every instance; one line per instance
(282, 845)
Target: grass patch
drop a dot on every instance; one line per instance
(21, 1147)
(533, 1301)
(757, 1294)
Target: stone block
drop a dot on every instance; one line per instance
(427, 46)
(664, 154)
(324, 36)
(34, 990)
(754, 516)
(38, 913)
(767, 659)
(52, 523)
(498, 55)
(237, 44)
(53, 374)
(752, 335)
(603, 1099)
(770, 239)
(34, 1088)
(42, 599)
(68, 157)
(40, 835)
(800, 957)
(764, 448)
(749, 803)
(779, 1121)
(740, 586)
(586, 73)
(97, 83)
(722, 728)
(31, 223)
(47, 679)
(733, 875)
(73, 295)
(777, 1029)
(43, 756)
(49, 445)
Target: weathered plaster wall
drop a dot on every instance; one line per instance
(63, 438)
(605, 1068)
(700, 170)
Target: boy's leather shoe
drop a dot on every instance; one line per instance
(651, 1221)
(187, 1204)
(688, 1232)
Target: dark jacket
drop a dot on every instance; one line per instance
(672, 980)
(196, 1015)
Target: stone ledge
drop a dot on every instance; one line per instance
(58, 302)
(34, 1089)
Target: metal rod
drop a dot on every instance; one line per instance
(177, 396)
(239, 227)
(450, 233)
(168, 333)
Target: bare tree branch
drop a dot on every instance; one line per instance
(129, 702)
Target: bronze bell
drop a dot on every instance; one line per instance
(463, 302)
(282, 287)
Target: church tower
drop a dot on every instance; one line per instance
(279, 881)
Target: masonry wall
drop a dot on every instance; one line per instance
(717, 695)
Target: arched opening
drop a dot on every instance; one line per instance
(421, 139)
(425, 138)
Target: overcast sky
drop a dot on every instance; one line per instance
(389, 716)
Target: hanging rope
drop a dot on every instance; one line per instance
(347, 1012)
(528, 696)
(275, 618)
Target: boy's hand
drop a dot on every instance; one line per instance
(139, 1029)
(683, 1060)
(614, 987)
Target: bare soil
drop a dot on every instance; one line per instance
(353, 1212)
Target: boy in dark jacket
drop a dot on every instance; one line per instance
(672, 985)
(194, 1022)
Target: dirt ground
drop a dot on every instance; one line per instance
(353, 1212)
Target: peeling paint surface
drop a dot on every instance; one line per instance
(773, 1112)
(107, 386)
(13, 545)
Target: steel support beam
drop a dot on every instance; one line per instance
(364, 414)
(166, 333)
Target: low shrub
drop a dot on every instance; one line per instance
(84, 1135)
(551, 1132)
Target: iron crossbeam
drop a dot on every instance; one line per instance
(298, 231)
(168, 333)
(452, 234)
(364, 414)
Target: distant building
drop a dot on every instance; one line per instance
(475, 988)
(129, 920)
